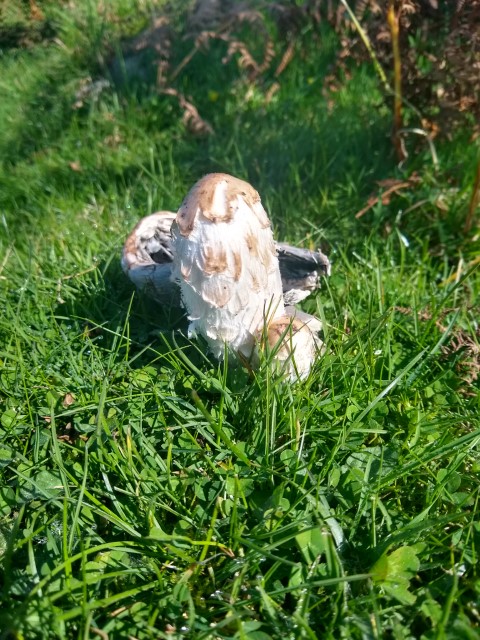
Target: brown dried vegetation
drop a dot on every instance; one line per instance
(438, 42)
(437, 50)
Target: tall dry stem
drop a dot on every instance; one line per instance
(393, 19)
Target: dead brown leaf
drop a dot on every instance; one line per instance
(68, 400)
(191, 117)
(35, 12)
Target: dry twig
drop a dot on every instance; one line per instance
(393, 186)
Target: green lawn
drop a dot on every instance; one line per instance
(145, 490)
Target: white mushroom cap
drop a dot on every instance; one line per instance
(226, 264)
(151, 236)
(147, 256)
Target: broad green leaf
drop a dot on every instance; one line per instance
(6, 456)
(311, 543)
(47, 484)
(393, 571)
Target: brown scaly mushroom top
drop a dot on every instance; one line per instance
(225, 262)
(214, 198)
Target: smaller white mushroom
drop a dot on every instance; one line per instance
(293, 344)
(147, 257)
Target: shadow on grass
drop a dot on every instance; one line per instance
(114, 313)
(305, 156)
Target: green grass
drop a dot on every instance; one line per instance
(148, 492)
